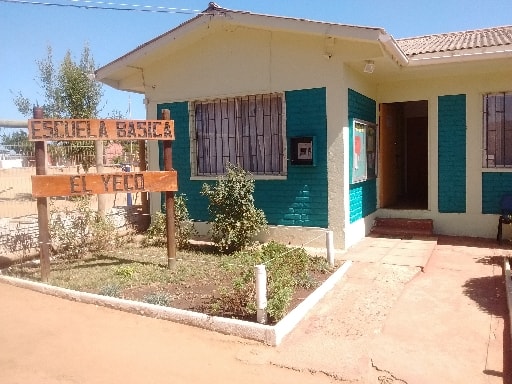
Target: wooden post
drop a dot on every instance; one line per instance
(42, 206)
(144, 195)
(102, 201)
(169, 201)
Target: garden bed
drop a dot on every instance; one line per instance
(140, 273)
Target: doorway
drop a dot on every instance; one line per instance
(403, 155)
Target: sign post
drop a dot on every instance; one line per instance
(42, 130)
(169, 201)
(42, 206)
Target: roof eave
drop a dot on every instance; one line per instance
(306, 26)
(459, 56)
(393, 50)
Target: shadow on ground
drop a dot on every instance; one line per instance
(489, 293)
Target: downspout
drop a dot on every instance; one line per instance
(392, 48)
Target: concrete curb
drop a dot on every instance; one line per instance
(508, 287)
(271, 335)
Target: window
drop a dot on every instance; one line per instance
(497, 130)
(248, 131)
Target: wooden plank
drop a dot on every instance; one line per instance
(99, 129)
(104, 183)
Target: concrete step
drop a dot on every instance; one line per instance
(403, 227)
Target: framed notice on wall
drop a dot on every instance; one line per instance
(302, 150)
(364, 151)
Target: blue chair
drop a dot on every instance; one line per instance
(506, 215)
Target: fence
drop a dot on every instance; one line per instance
(18, 209)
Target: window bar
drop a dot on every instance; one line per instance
(206, 138)
(506, 130)
(208, 146)
(199, 139)
(233, 130)
(213, 141)
(502, 129)
(260, 134)
(267, 133)
(486, 133)
(219, 138)
(248, 133)
(238, 132)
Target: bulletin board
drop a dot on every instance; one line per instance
(364, 151)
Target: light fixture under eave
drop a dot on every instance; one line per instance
(369, 66)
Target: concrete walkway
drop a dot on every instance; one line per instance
(415, 311)
(408, 311)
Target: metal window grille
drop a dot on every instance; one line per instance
(497, 122)
(247, 131)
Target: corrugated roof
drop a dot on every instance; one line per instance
(454, 41)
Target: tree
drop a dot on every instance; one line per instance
(69, 91)
(18, 142)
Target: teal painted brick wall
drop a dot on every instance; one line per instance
(452, 153)
(362, 196)
(301, 199)
(361, 107)
(494, 186)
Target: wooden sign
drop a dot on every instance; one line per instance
(99, 129)
(103, 183)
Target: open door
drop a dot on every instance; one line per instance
(403, 155)
(388, 174)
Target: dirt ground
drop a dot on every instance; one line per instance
(77, 343)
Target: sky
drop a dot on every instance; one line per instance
(28, 27)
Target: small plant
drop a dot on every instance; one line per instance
(156, 235)
(125, 272)
(184, 227)
(81, 230)
(163, 299)
(20, 240)
(234, 218)
(287, 269)
(112, 290)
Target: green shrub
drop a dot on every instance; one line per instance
(156, 234)
(80, 230)
(234, 218)
(287, 269)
